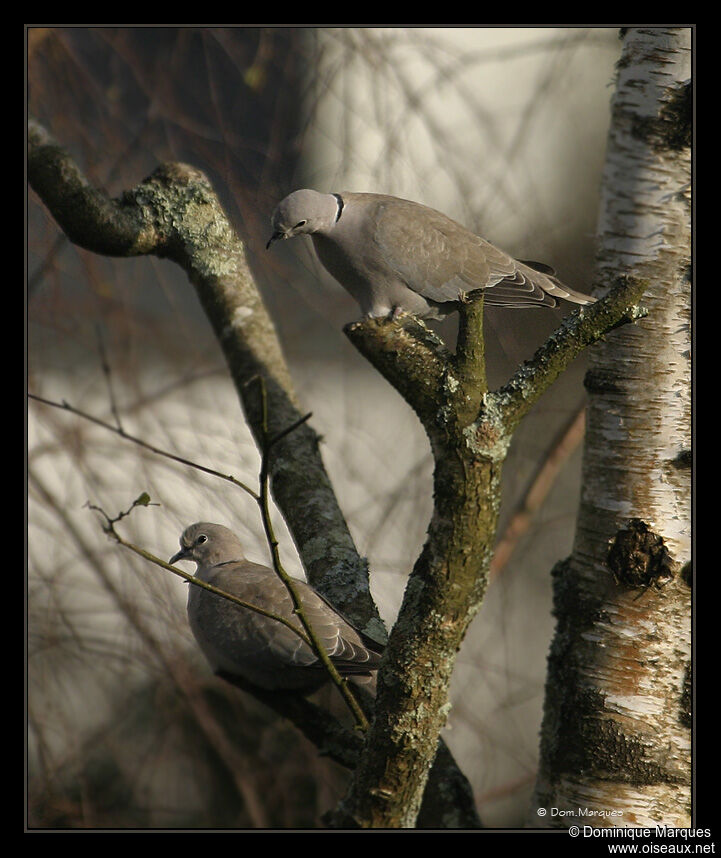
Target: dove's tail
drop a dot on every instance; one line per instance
(551, 285)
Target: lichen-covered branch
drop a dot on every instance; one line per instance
(175, 213)
(470, 361)
(409, 355)
(88, 216)
(580, 329)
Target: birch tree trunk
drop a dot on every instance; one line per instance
(616, 730)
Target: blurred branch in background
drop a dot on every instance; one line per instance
(534, 498)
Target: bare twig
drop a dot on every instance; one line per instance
(170, 666)
(144, 500)
(118, 430)
(580, 329)
(263, 500)
(267, 444)
(105, 364)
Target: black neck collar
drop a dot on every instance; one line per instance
(339, 198)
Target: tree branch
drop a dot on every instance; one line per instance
(537, 491)
(88, 216)
(118, 430)
(409, 355)
(144, 500)
(175, 213)
(327, 733)
(582, 328)
(470, 360)
(344, 746)
(315, 643)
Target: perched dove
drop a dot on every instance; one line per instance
(396, 255)
(242, 642)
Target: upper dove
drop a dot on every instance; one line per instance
(242, 642)
(395, 255)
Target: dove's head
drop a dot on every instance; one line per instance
(208, 544)
(304, 212)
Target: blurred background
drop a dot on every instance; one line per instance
(503, 129)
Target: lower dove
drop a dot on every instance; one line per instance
(395, 255)
(242, 642)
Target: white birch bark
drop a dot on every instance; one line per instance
(616, 731)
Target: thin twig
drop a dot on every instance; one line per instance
(264, 504)
(580, 329)
(118, 430)
(144, 500)
(105, 364)
(310, 638)
(279, 437)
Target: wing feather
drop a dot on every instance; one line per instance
(442, 260)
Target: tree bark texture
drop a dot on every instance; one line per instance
(616, 728)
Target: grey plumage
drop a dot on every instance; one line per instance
(242, 642)
(393, 254)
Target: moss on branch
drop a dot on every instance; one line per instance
(175, 214)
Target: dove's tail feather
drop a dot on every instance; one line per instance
(551, 285)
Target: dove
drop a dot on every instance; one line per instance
(394, 255)
(242, 642)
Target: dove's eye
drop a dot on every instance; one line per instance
(300, 223)
(201, 539)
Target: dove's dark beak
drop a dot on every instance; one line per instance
(276, 235)
(181, 555)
